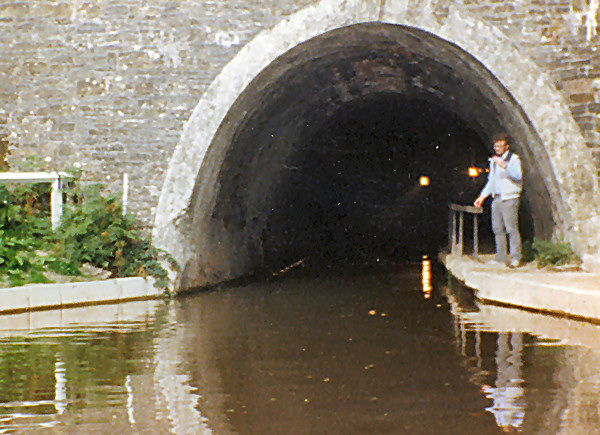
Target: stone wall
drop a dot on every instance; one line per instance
(560, 36)
(108, 84)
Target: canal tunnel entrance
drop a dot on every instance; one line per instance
(369, 182)
(327, 162)
(321, 156)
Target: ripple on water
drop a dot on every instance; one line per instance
(304, 354)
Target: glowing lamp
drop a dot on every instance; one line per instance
(473, 172)
(424, 181)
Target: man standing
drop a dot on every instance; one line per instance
(504, 184)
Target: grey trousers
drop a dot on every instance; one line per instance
(505, 220)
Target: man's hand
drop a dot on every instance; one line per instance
(479, 201)
(497, 160)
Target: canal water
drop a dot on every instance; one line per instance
(397, 349)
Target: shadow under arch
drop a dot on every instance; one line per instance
(255, 129)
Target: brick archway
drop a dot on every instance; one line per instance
(540, 115)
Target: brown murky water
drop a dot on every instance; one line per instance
(391, 350)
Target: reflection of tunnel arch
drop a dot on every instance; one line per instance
(254, 200)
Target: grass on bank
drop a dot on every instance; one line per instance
(93, 231)
(549, 253)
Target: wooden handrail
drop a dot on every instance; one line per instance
(456, 246)
(54, 178)
(466, 208)
(40, 177)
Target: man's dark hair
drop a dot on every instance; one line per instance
(501, 136)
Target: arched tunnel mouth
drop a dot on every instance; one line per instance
(373, 183)
(350, 147)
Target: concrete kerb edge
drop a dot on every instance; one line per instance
(32, 297)
(516, 292)
(512, 291)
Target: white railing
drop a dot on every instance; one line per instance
(54, 178)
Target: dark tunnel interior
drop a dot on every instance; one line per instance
(326, 150)
(354, 192)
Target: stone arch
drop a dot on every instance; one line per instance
(190, 190)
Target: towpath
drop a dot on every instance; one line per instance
(572, 293)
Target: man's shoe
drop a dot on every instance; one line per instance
(514, 263)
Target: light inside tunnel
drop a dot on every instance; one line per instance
(348, 186)
(325, 149)
(474, 172)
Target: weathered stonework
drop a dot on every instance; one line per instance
(544, 106)
(109, 86)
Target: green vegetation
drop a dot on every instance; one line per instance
(93, 230)
(24, 232)
(550, 253)
(4, 144)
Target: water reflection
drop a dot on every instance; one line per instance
(426, 277)
(546, 369)
(60, 387)
(302, 355)
(507, 394)
(175, 394)
(89, 370)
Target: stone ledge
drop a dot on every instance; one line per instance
(572, 294)
(128, 315)
(49, 296)
(506, 319)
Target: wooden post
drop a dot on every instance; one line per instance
(461, 232)
(453, 232)
(125, 192)
(56, 203)
(475, 235)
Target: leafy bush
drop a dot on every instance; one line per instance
(95, 231)
(24, 230)
(552, 253)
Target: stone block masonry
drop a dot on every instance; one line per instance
(108, 85)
